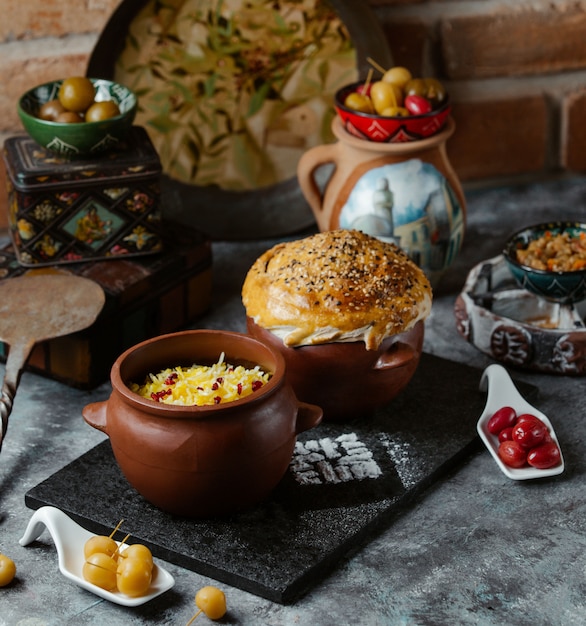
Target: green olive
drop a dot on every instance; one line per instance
(358, 102)
(397, 75)
(415, 87)
(436, 92)
(395, 112)
(77, 93)
(69, 117)
(50, 110)
(385, 95)
(102, 111)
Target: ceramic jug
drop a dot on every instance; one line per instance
(407, 193)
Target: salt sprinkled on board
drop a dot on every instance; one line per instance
(402, 454)
(331, 461)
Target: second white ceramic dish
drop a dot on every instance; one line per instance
(70, 538)
(501, 391)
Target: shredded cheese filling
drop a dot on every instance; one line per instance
(201, 385)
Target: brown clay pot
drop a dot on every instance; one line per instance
(345, 379)
(201, 461)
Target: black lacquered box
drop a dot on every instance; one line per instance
(97, 208)
(145, 297)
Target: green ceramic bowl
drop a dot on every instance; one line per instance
(562, 287)
(85, 138)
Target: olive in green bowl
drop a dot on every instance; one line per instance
(83, 138)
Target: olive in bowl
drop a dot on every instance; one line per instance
(78, 126)
(549, 260)
(404, 125)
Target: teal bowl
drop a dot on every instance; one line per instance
(566, 287)
(82, 139)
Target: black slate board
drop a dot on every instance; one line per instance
(328, 504)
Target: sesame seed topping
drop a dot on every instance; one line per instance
(343, 278)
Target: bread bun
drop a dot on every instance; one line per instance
(340, 285)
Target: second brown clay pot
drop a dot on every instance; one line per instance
(345, 379)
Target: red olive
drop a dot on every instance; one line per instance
(529, 434)
(417, 105)
(527, 417)
(512, 454)
(505, 417)
(544, 456)
(506, 434)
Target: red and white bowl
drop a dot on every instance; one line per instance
(374, 127)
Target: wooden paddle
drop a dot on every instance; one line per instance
(38, 307)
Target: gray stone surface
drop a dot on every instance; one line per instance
(475, 548)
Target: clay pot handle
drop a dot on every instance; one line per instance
(308, 164)
(398, 355)
(308, 416)
(95, 415)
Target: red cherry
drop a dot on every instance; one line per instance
(503, 418)
(506, 434)
(512, 454)
(529, 433)
(528, 417)
(544, 456)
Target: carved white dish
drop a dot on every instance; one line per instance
(501, 391)
(518, 328)
(70, 538)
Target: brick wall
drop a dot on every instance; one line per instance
(516, 72)
(42, 40)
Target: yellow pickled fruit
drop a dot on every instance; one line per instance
(7, 570)
(99, 543)
(133, 577)
(395, 112)
(77, 93)
(385, 95)
(140, 552)
(212, 601)
(359, 102)
(397, 75)
(102, 111)
(100, 570)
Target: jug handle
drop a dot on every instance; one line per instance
(308, 416)
(399, 354)
(306, 167)
(95, 415)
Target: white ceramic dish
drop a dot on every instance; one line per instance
(501, 392)
(69, 538)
